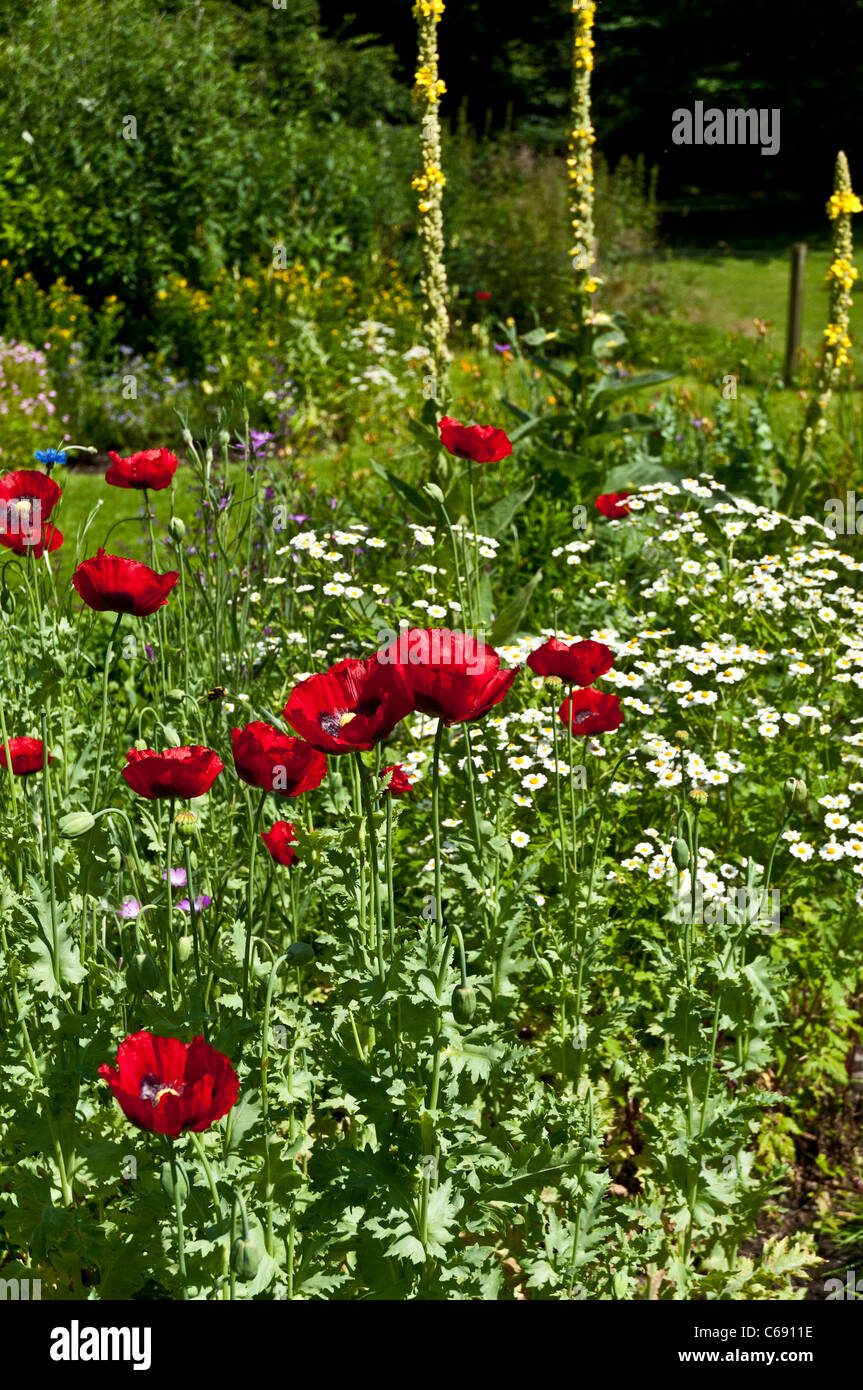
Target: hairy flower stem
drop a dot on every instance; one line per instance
(169, 851)
(569, 757)
(250, 901)
(558, 799)
(265, 1062)
(178, 1216)
(438, 876)
(388, 870)
(470, 488)
(160, 615)
(474, 811)
(49, 845)
(198, 1143)
(104, 719)
(193, 914)
(376, 904)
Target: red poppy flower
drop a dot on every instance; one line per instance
(27, 498)
(482, 294)
(578, 663)
(166, 1086)
(592, 712)
(183, 772)
(25, 543)
(399, 784)
(480, 443)
(28, 485)
(152, 468)
(113, 584)
(447, 674)
(266, 758)
(350, 707)
(613, 505)
(279, 841)
(26, 755)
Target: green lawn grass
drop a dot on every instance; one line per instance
(729, 292)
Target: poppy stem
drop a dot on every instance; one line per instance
(182, 562)
(558, 798)
(178, 1214)
(477, 608)
(376, 905)
(569, 744)
(214, 1193)
(250, 901)
(49, 845)
(438, 890)
(193, 913)
(105, 673)
(170, 887)
(477, 836)
(388, 869)
(454, 544)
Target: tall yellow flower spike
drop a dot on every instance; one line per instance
(841, 275)
(580, 159)
(429, 185)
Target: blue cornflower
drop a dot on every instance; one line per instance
(50, 457)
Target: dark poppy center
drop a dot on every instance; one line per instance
(582, 715)
(333, 721)
(153, 1089)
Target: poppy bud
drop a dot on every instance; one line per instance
(307, 610)
(167, 1181)
(177, 527)
(680, 854)
(682, 735)
(75, 823)
(554, 682)
(143, 973)
(556, 595)
(546, 967)
(185, 946)
(7, 602)
(434, 492)
(247, 1252)
(796, 794)
(114, 858)
(140, 744)
(185, 822)
(299, 953)
(698, 795)
(176, 694)
(463, 1003)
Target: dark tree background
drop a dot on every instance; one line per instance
(510, 62)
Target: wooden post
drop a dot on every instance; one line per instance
(795, 310)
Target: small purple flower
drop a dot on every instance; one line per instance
(258, 441)
(129, 908)
(149, 653)
(502, 347)
(201, 902)
(178, 877)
